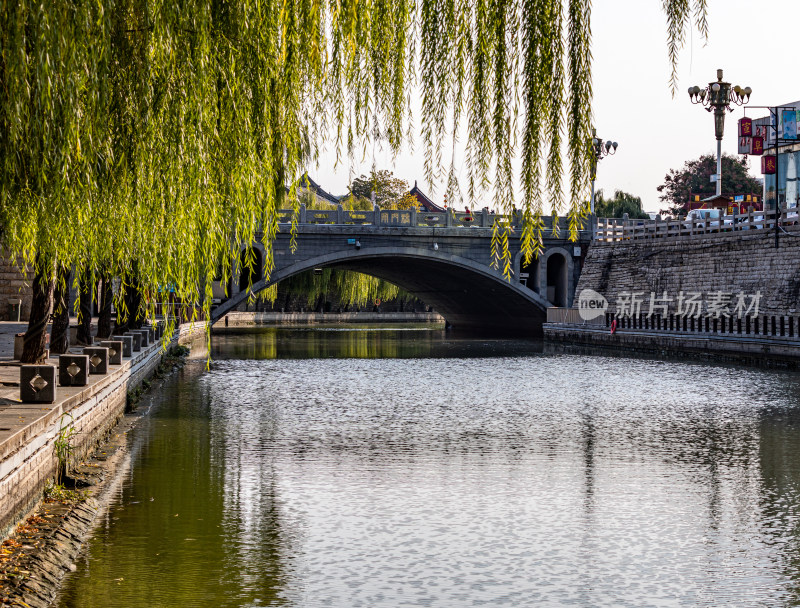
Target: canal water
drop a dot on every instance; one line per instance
(403, 467)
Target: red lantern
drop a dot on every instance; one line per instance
(745, 127)
(757, 146)
(768, 164)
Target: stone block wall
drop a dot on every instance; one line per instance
(730, 263)
(14, 285)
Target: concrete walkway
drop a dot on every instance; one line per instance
(15, 415)
(9, 369)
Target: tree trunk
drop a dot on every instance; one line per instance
(59, 332)
(121, 324)
(85, 310)
(36, 336)
(135, 313)
(130, 318)
(104, 318)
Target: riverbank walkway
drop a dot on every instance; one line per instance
(9, 369)
(20, 421)
(28, 430)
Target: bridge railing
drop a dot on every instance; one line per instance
(614, 230)
(448, 218)
(393, 217)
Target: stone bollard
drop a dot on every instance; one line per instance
(19, 345)
(98, 359)
(144, 336)
(127, 344)
(73, 370)
(114, 351)
(37, 383)
(137, 340)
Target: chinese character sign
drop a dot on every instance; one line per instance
(768, 164)
(745, 127)
(757, 146)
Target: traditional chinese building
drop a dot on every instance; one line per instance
(424, 201)
(309, 186)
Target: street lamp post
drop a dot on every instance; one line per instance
(600, 150)
(718, 97)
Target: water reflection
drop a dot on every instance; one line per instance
(405, 467)
(180, 530)
(360, 342)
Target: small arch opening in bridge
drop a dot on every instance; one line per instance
(529, 274)
(557, 279)
(250, 274)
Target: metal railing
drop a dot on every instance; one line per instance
(614, 230)
(571, 316)
(772, 326)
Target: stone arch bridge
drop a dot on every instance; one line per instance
(444, 259)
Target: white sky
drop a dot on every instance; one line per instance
(753, 42)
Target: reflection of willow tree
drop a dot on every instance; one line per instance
(279, 343)
(201, 525)
(148, 139)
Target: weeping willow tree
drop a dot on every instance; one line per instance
(147, 139)
(350, 289)
(347, 287)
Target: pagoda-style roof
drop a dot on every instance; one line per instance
(424, 201)
(317, 189)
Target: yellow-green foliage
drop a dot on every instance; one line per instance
(350, 288)
(146, 138)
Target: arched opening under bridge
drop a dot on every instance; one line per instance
(470, 296)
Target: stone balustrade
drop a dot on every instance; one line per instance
(610, 230)
(378, 217)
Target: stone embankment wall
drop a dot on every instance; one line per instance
(14, 285)
(27, 457)
(731, 263)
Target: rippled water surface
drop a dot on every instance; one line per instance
(384, 468)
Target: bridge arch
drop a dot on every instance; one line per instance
(467, 294)
(250, 274)
(555, 269)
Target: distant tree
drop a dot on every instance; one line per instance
(695, 176)
(621, 204)
(390, 192)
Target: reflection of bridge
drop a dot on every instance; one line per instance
(444, 259)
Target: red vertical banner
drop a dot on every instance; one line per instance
(757, 145)
(745, 127)
(768, 164)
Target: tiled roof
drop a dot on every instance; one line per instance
(427, 203)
